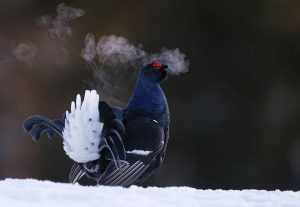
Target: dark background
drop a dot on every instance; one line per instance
(235, 116)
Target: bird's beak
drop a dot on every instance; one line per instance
(166, 72)
(169, 70)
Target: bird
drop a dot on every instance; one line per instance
(114, 146)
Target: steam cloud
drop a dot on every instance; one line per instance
(115, 51)
(88, 53)
(25, 52)
(107, 58)
(58, 29)
(113, 55)
(173, 58)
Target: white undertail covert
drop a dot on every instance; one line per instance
(82, 132)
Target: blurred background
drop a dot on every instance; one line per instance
(235, 117)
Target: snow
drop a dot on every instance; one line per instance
(31, 193)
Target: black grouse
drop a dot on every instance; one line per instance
(114, 146)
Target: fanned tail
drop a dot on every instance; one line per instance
(110, 147)
(90, 127)
(91, 133)
(82, 132)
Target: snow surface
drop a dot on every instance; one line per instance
(31, 193)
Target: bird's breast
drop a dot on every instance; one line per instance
(143, 133)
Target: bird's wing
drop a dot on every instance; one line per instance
(144, 142)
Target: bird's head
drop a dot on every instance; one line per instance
(156, 72)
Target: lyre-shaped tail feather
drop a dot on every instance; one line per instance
(36, 125)
(113, 131)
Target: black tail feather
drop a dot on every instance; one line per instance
(36, 125)
(116, 138)
(112, 133)
(117, 125)
(76, 173)
(113, 152)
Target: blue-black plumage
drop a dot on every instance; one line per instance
(132, 141)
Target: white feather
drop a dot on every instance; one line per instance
(139, 152)
(83, 129)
